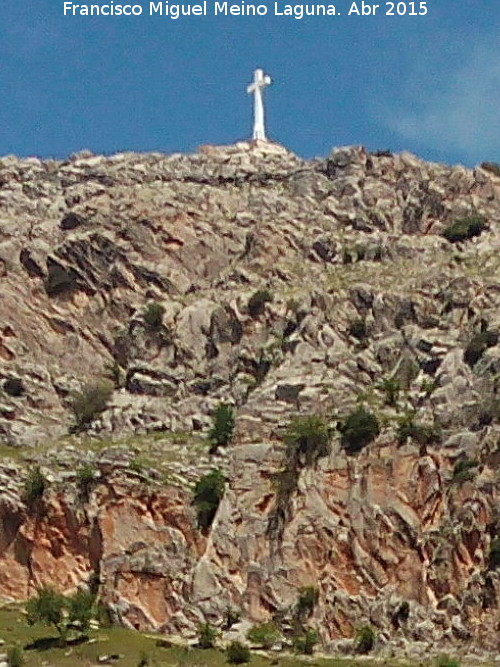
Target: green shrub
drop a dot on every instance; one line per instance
(406, 428)
(358, 430)
(492, 167)
(137, 465)
(308, 438)
(264, 634)
(391, 388)
(207, 636)
(237, 653)
(15, 657)
(257, 302)
(47, 608)
(286, 484)
(465, 228)
(365, 639)
(207, 494)
(478, 345)
(223, 423)
(428, 386)
(307, 601)
(85, 478)
(80, 610)
(446, 661)
(423, 434)
(464, 470)
(231, 616)
(428, 433)
(90, 402)
(494, 555)
(357, 329)
(35, 487)
(51, 608)
(305, 642)
(153, 315)
(401, 614)
(104, 615)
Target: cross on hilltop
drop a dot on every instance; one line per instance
(260, 81)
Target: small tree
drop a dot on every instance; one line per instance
(237, 653)
(47, 608)
(207, 494)
(358, 430)
(264, 634)
(231, 617)
(304, 643)
(365, 639)
(153, 315)
(90, 402)
(51, 608)
(80, 610)
(307, 601)
(207, 636)
(223, 422)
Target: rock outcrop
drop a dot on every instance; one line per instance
(363, 293)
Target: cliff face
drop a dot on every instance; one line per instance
(365, 291)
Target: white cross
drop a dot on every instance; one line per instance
(260, 81)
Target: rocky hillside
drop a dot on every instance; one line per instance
(246, 275)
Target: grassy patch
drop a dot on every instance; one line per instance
(13, 453)
(133, 646)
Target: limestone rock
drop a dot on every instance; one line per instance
(366, 303)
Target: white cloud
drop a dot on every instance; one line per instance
(454, 106)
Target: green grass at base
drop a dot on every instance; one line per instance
(134, 645)
(130, 644)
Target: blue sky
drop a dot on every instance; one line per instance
(427, 84)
